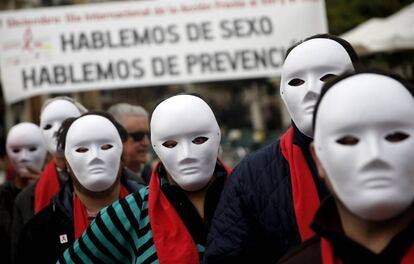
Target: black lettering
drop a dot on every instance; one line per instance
(136, 65)
(88, 72)
(97, 40)
(59, 72)
(72, 76)
(44, 76)
(141, 39)
(28, 77)
(172, 31)
(83, 42)
(67, 41)
(190, 60)
(122, 69)
(104, 73)
(224, 25)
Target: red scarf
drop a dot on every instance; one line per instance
(329, 258)
(172, 240)
(305, 195)
(47, 187)
(80, 215)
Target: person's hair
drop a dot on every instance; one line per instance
(63, 130)
(78, 105)
(345, 44)
(327, 86)
(122, 110)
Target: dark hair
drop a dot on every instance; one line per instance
(345, 44)
(63, 130)
(327, 86)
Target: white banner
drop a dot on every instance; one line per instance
(144, 43)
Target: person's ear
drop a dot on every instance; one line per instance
(319, 167)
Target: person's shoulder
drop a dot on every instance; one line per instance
(259, 162)
(39, 220)
(307, 252)
(5, 186)
(26, 193)
(132, 200)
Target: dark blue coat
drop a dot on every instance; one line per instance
(255, 218)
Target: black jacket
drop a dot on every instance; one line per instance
(8, 193)
(327, 224)
(255, 219)
(46, 236)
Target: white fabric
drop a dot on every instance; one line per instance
(186, 120)
(25, 147)
(390, 34)
(372, 173)
(93, 150)
(51, 119)
(308, 63)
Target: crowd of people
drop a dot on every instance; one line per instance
(336, 187)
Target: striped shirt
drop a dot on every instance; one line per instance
(121, 233)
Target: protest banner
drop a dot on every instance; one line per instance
(135, 44)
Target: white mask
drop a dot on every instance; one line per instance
(93, 150)
(25, 147)
(51, 119)
(307, 67)
(364, 138)
(180, 126)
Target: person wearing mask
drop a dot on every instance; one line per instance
(363, 149)
(167, 221)
(92, 146)
(38, 195)
(134, 119)
(25, 149)
(272, 194)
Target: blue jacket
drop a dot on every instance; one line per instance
(255, 219)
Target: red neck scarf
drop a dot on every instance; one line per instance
(80, 215)
(172, 240)
(305, 195)
(328, 256)
(47, 187)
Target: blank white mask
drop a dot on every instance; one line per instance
(25, 147)
(186, 137)
(364, 138)
(93, 150)
(307, 67)
(51, 119)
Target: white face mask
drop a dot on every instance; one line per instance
(364, 139)
(93, 150)
(25, 147)
(307, 67)
(51, 119)
(186, 137)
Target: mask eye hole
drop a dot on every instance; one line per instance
(106, 146)
(327, 77)
(396, 137)
(32, 149)
(16, 150)
(81, 150)
(199, 140)
(296, 82)
(348, 140)
(47, 127)
(170, 143)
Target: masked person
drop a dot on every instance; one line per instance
(272, 194)
(38, 195)
(166, 222)
(92, 146)
(363, 148)
(27, 154)
(134, 119)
